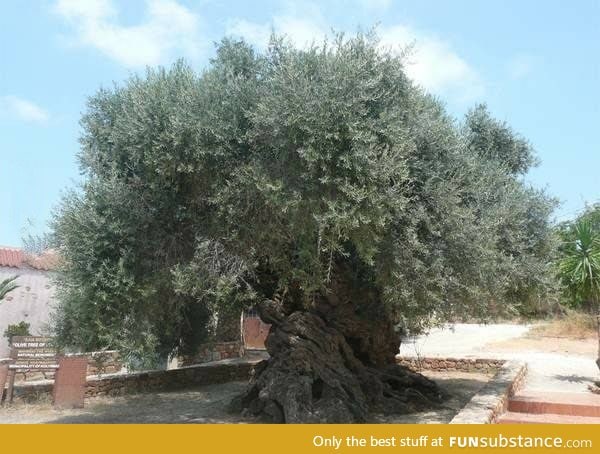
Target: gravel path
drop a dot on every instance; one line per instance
(547, 370)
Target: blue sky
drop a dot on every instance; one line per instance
(536, 64)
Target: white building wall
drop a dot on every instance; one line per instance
(31, 302)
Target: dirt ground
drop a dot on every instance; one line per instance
(461, 386)
(587, 347)
(208, 404)
(563, 364)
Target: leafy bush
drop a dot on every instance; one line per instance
(573, 324)
(7, 285)
(19, 329)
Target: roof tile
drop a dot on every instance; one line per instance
(17, 258)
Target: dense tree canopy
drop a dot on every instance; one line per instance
(275, 177)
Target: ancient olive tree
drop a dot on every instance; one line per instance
(319, 185)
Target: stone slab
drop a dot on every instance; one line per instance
(70, 382)
(527, 418)
(558, 403)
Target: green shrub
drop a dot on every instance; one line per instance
(19, 329)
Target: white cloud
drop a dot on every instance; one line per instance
(86, 10)
(301, 27)
(299, 31)
(433, 64)
(253, 33)
(168, 28)
(23, 109)
(521, 66)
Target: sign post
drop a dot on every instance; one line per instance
(30, 353)
(3, 377)
(37, 353)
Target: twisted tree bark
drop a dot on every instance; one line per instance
(333, 363)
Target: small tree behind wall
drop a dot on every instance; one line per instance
(579, 264)
(19, 329)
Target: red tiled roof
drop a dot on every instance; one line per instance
(11, 257)
(17, 258)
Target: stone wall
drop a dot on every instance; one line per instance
(155, 380)
(214, 351)
(33, 376)
(105, 362)
(483, 365)
(161, 380)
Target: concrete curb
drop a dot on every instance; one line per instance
(492, 400)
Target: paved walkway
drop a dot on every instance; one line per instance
(546, 371)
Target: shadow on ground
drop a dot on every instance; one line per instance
(574, 378)
(460, 386)
(208, 405)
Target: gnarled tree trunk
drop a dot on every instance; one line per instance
(333, 362)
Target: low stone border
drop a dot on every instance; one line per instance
(214, 351)
(154, 380)
(452, 364)
(492, 400)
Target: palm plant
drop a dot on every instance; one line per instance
(7, 285)
(579, 267)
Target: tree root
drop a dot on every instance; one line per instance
(313, 376)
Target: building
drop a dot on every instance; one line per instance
(33, 300)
